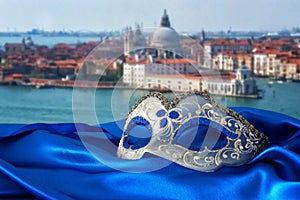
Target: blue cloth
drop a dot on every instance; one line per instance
(49, 161)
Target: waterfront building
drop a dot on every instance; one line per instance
(137, 70)
(160, 67)
(213, 47)
(274, 58)
(230, 61)
(292, 68)
(238, 84)
(161, 57)
(268, 63)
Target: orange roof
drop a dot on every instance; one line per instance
(272, 52)
(160, 61)
(60, 45)
(175, 61)
(294, 61)
(206, 76)
(66, 62)
(221, 41)
(17, 75)
(41, 58)
(235, 54)
(134, 61)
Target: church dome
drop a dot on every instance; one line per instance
(165, 36)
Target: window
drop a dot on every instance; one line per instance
(247, 89)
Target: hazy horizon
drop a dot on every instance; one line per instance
(114, 15)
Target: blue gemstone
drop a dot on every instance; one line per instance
(161, 113)
(173, 115)
(163, 122)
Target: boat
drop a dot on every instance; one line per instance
(41, 86)
(270, 83)
(280, 82)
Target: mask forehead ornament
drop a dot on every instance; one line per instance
(226, 138)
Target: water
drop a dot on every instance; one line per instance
(54, 105)
(49, 41)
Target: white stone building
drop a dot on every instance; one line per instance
(213, 47)
(161, 57)
(135, 72)
(268, 63)
(240, 84)
(160, 68)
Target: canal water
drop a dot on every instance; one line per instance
(56, 105)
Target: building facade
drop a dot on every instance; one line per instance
(269, 63)
(212, 48)
(240, 84)
(159, 67)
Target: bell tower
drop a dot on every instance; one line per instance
(165, 21)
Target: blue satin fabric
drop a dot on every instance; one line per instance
(49, 161)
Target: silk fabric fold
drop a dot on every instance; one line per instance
(50, 161)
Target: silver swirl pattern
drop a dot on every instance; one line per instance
(243, 141)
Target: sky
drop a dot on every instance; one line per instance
(114, 15)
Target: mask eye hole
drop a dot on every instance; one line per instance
(138, 133)
(195, 135)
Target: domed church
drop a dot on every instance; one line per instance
(160, 57)
(159, 65)
(164, 42)
(165, 37)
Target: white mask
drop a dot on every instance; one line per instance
(228, 138)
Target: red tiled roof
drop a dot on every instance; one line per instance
(206, 76)
(175, 61)
(235, 54)
(134, 61)
(61, 45)
(66, 62)
(17, 75)
(222, 41)
(294, 61)
(272, 52)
